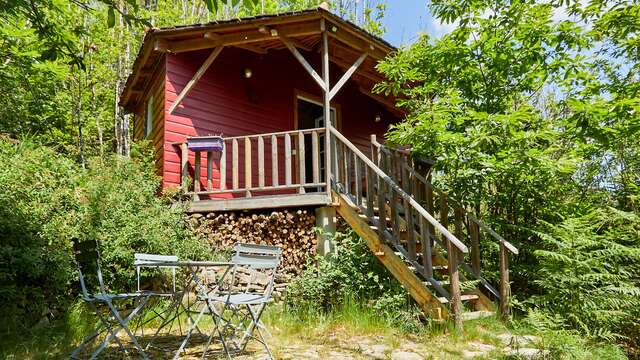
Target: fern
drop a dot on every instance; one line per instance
(590, 275)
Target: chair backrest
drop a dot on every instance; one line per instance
(87, 256)
(258, 258)
(141, 260)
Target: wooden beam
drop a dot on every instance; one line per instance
(252, 48)
(347, 75)
(211, 39)
(261, 202)
(343, 34)
(214, 54)
(303, 62)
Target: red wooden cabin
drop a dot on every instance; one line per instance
(261, 75)
(266, 84)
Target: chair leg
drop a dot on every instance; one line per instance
(216, 321)
(124, 322)
(191, 328)
(111, 334)
(255, 327)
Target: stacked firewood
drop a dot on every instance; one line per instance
(291, 230)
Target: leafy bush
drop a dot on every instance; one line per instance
(590, 275)
(46, 199)
(353, 277)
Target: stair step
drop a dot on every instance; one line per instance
(442, 282)
(473, 315)
(469, 297)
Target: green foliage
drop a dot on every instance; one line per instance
(46, 199)
(353, 277)
(533, 120)
(590, 275)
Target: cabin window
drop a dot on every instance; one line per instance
(148, 128)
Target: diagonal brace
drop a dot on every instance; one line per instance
(347, 75)
(303, 61)
(208, 61)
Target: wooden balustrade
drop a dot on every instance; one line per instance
(257, 164)
(466, 226)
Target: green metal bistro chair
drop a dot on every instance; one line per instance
(241, 311)
(94, 293)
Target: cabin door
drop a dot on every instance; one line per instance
(310, 115)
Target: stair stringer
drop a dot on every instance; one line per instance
(429, 304)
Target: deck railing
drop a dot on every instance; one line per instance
(467, 227)
(249, 165)
(373, 191)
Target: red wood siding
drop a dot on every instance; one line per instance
(225, 102)
(156, 88)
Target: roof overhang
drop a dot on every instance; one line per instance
(261, 34)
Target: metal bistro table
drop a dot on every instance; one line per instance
(202, 294)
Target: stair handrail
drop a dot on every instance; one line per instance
(417, 206)
(426, 182)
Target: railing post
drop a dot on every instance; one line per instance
(196, 175)
(209, 170)
(456, 300)
(184, 165)
(474, 229)
(374, 152)
(504, 281)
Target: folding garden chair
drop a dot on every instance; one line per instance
(241, 311)
(111, 317)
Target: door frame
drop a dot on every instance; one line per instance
(315, 99)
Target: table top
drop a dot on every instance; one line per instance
(185, 263)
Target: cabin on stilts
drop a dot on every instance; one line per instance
(236, 113)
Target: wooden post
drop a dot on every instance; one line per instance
(427, 261)
(196, 173)
(287, 159)
(411, 231)
(357, 179)
(301, 162)
(223, 168)
(504, 281)
(474, 229)
(184, 165)
(247, 165)
(374, 150)
(326, 104)
(260, 162)
(370, 182)
(234, 164)
(274, 160)
(315, 161)
(209, 170)
(456, 301)
(325, 220)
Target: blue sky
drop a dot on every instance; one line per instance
(404, 19)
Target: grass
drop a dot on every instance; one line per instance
(351, 329)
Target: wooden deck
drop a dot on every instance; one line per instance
(413, 228)
(261, 202)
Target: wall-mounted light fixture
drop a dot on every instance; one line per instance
(248, 73)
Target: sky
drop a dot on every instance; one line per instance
(405, 19)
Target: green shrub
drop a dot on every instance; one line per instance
(46, 199)
(590, 276)
(353, 277)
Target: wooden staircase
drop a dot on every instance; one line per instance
(392, 207)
